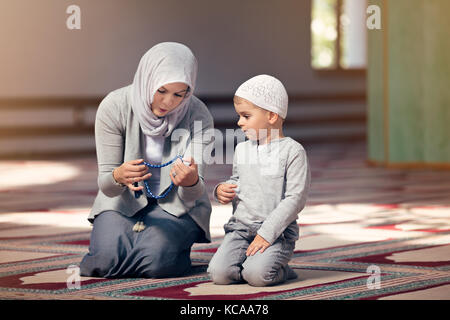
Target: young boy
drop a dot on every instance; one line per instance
(268, 188)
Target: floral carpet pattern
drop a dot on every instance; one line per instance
(366, 233)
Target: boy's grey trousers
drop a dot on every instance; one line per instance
(231, 265)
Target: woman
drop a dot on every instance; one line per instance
(140, 232)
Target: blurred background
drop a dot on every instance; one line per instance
(386, 87)
(53, 78)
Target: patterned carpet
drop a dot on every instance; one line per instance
(366, 233)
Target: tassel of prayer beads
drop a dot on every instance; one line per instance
(139, 226)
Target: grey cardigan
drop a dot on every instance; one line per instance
(119, 138)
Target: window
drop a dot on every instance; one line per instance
(339, 34)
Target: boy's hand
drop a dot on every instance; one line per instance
(258, 244)
(225, 192)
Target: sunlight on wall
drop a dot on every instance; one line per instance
(339, 34)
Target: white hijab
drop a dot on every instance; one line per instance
(165, 63)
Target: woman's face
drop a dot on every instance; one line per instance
(168, 97)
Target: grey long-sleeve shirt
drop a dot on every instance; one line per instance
(273, 182)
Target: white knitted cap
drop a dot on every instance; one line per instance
(266, 92)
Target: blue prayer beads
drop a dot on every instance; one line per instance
(137, 194)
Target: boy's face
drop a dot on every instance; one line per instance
(254, 121)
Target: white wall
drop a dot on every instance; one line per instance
(233, 40)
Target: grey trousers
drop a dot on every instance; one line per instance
(162, 249)
(231, 265)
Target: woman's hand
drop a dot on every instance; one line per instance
(258, 244)
(184, 175)
(130, 172)
(225, 192)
